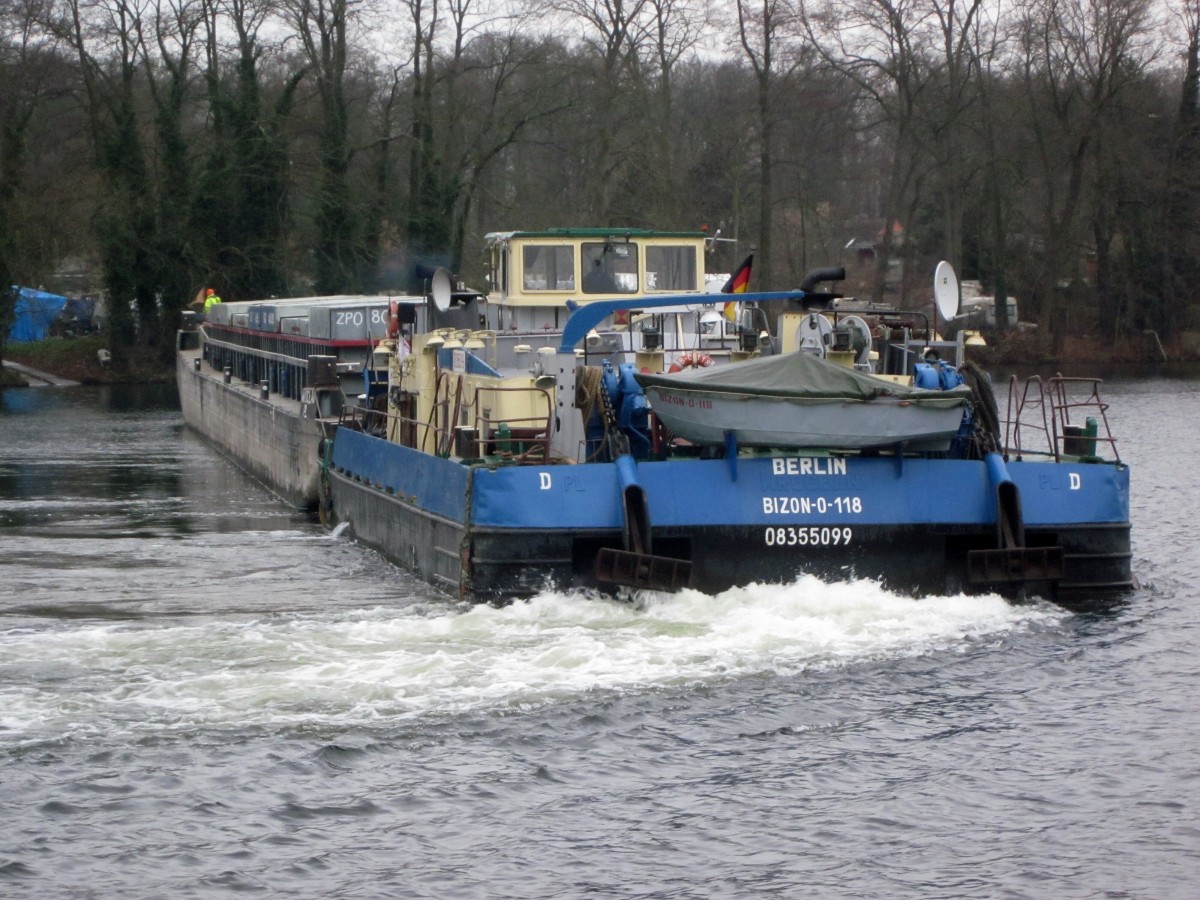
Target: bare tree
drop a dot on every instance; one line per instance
(763, 31)
(880, 46)
(324, 28)
(379, 226)
(25, 52)
(506, 100)
(674, 28)
(1079, 57)
(209, 156)
(169, 50)
(610, 117)
(1180, 272)
(818, 179)
(474, 93)
(243, 181)
(426, 228)
(998, 175)
(106, 38)
(954, 60)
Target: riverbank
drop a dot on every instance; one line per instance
(82, 360)
(1023, 348)
(35, 377)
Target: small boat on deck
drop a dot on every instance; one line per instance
(798, 401)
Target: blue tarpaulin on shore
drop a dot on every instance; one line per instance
(35, 311)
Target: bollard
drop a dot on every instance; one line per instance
(264, 389)
(196, 363)
(228, 374)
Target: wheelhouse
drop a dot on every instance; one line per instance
(545, 269)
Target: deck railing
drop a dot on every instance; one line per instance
(1063, 416)
(461, 424)
(285, 374)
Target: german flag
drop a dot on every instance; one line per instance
(738, 283)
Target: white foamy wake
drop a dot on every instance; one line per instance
(378, 664)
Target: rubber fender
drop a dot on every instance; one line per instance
(1010, 522)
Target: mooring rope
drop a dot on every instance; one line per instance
(588, 381)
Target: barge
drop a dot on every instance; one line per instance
(505, 444)
(266, 381)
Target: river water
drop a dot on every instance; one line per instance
(203, 693)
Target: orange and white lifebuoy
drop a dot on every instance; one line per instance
(691, 361)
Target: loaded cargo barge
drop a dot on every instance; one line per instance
(266, 381)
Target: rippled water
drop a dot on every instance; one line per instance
(202, 693)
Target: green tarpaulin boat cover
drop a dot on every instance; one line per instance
(798, 376)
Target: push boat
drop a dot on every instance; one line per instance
(544, 437)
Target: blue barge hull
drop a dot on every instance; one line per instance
(495, 533)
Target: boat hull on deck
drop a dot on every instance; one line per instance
(705, 417)
(495, 534)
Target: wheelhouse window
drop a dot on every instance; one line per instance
(548, 268)
(610, 267)
(671, 268)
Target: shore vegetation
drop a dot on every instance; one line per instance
(1049, 149)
